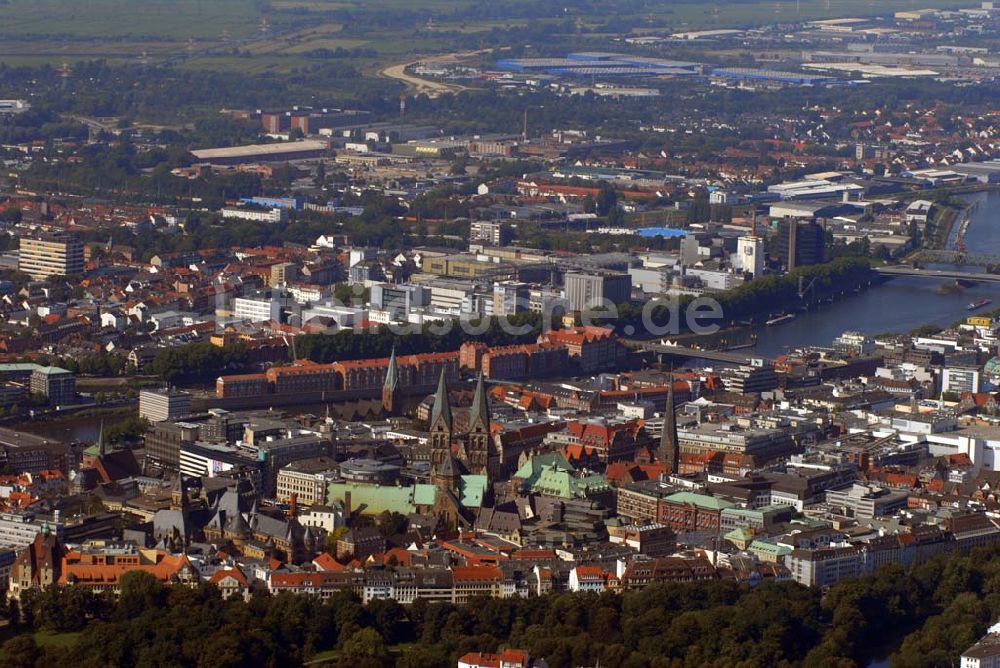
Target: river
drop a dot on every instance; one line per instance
(900, 304)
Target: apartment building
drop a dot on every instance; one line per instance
(56, 255)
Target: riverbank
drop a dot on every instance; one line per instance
(84, 425)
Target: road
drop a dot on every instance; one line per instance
(938, 273)
(418, 86)
(686, 352)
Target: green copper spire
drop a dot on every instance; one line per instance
(480, 412)
(392, 375)
(442, 409)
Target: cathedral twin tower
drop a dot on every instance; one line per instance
(451, 456)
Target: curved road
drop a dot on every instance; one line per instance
(416, 85)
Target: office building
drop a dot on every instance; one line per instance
(45, 256)
(595, 290)
(490, 233)
(57, 385)
(257, 215)
(164, 441)
(21, 452)
(163, 405)
(214, 460)
(800, 243)
(283, 273)
(854, 344)
(399, 300)
(959, 379)
(750, 379)
(307, 479)
(262, 307)
(510, 297)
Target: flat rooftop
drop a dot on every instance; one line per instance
(252, 150)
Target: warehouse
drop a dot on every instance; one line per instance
(280, 152)
(984, 172)
(770, 76)
(592, 64)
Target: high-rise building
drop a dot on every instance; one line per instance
(749, 257)
(163, 405)
(489, 232)
(283, 273)
(800, 243)
(510, 297)
(594, 290)
(44, 256)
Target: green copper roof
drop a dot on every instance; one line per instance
(377, 499)
(423, 495)
(739, 534)
(442, 409)
(768, 548)
(480, 411)
(473, 489)
(555, 481)
(534, 466)
(700, 500)
(392, 375)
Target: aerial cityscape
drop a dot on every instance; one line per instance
(618, 334)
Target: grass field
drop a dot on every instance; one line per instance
(52, 31)
(50, 639)
(166, 19)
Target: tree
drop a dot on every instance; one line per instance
(332, 538)
(140, 591)
(607, 199)
(391, 524)
(21, 652)
(364, 648)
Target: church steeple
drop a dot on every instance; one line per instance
(441, 413)
(101, 450)
(669, 450)
(479, 414)
(441, 424)
(390, 389)
(479, 445)
(178, 495)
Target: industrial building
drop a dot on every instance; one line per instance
(770, 76)
(278, 152)
(592, 64)
(984, 172)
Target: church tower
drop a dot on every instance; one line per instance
(441, 425)
(178, 495)
(390, 389)
(669, 451)
(483, 459)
